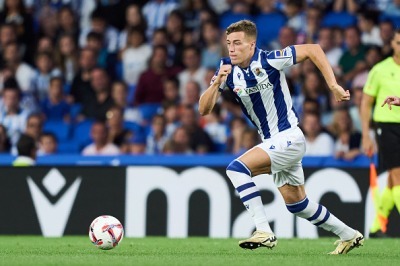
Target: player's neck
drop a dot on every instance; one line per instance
(246, 63)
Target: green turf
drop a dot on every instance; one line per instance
(32, 250)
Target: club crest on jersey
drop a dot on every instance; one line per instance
(239, 75)
(258, 72)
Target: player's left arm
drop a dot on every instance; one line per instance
(315, 53)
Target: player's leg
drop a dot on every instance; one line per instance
(240, 171)
(395, 174)
(386, 204)
(298, 204)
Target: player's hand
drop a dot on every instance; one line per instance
(391, 100)
(223, 73)
(368, 145)
(340, 94)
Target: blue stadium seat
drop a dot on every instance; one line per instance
(228, 18)
(68, 147)
(132, 126)
(339, 19)
(148, 110)
(75, 110)
(394, 19)
(60, 129)
(81, 133)
(268, 27)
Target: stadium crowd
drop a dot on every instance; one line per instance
(124, 77)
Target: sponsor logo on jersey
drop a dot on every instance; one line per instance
(281, 53)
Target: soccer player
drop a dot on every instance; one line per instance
(383, 80)
(257, 80)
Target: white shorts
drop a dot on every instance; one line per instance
(286, 150)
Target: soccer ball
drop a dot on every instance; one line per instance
(106, 232)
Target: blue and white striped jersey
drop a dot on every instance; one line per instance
(262, 90)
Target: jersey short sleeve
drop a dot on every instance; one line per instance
(281, 59)
(371, 86)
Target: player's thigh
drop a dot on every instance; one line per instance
(257, 160)
(292, 194)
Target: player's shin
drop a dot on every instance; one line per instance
(249, 194)
(319, 216)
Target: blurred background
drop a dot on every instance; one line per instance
(108, 77)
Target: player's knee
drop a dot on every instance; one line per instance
(298, 207)
(238, 166)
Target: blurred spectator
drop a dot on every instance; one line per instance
(156, 13)
(81, 90)
(120, 97)
(101, 144)
(237, 126)
(34, 126)
(67, 21)
(99, 24)
(94, 41)
(159, 37)
(373, 56)
(287, 36)
(45, 44)
(250, 138)
(117, 133)
(134, 19)
(192, 10)
(200, 141)
(180, 142)
(318, 143)
(96, 107)
(171, 91)
(24, 74)
(14, 12)
(386, 33)
(367, 22)
(354, 110)
(12, 117)
(175, 30)
(47, 144)
(352, 61)
(67, 57)
(135, 56)
(393, 8)
(193, 69)
(171, 118)
(313, 21)
(54, 106)
(314, 88)
(192, 94)
(157, 137)
(332, 52)
(48, 22)
(212, 51)
(45, 71)
(214, 126)
(7, 35)
(150, 88)
(5, 144)
(338, 37)
(349, 6)
(348, 141)
(293, 10)
(26, 149)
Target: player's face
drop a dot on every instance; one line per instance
(240, 47)
(396, 45)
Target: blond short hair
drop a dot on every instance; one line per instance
(246, 26)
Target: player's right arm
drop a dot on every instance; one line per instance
(210, 96)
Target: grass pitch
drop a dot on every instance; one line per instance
(33, 250)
